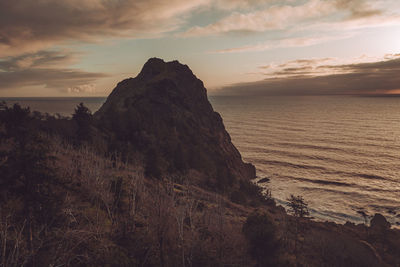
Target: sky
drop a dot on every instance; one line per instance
(236, 47)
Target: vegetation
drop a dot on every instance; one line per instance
(297, 206)
(153, 164)
(260, 233)
(63, 204)
(68, 203)
(83, 119)
(27, 183)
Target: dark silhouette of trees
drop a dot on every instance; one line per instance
(259, 231)
(26, 175)
(16, 122)
(297, 206)
(83, 119)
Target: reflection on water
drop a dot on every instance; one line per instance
(341, 153)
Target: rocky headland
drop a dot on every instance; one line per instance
(164, 113)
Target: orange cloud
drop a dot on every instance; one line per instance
(47, 69)
(316, 77)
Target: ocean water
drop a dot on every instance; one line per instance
(341, 153)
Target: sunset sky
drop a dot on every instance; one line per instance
(84, 47)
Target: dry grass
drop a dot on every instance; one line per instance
(111, 214)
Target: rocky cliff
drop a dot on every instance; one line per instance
(164, 113)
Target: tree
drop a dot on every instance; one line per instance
(16, 121)
(259, 231)
(26, 175)
(297, 206)
(83, 118)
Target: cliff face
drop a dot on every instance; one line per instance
(164, 113)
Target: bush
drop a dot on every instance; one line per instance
(254, 194)
(259, 231)
(83, 119)
(238, 197)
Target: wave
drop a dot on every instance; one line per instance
(321, 182)
(349, 185)
(295, 155)
(288, 164)
(360, 175)
(309, 146)
(321, 168)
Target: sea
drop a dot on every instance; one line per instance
(340, 153)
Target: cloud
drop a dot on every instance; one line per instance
(285, 16)
(282, 43)
(243, 4)
(358, 8)
(84, 88)
(46, 68)
(41, 59)
(312, 77)
(323, 66)
(60, 79)
(29, 26)
(316, 66)
(277, 17)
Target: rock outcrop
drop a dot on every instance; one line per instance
(164, 114)
(379, 222)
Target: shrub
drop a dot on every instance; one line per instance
(238, 197)
(83, 119)
(254, 194)
(259, 231)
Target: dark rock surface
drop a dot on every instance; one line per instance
(164, 113)
(263, 180)
(380, 222)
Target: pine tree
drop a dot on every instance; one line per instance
(298, 207)
(83, 119)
